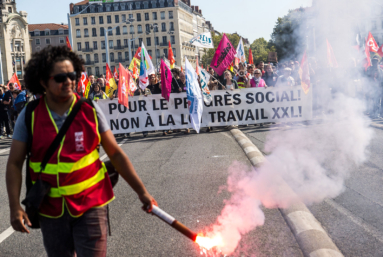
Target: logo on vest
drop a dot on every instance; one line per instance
(79, 141)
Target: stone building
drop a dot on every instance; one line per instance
(43, 35)
(14, 41)
(155, 23)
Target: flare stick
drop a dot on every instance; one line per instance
(174, 223)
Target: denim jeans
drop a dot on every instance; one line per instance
(85, 236)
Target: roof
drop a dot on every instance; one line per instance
(82, 2)
(50, 26)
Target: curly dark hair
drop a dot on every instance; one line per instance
(42, 63)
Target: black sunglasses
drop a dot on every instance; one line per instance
(257, 73)
(62, 77)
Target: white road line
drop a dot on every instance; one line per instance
(6, 234)
(10, 230)
(4, 150)
(358, 221)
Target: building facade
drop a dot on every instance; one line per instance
(14, 41)
(43, 35)
(154, 22)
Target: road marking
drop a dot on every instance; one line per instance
(6, 234)
(10, 230)
(4, 150)
(358, 221)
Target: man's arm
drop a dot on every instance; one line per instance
(123, 165)
(13, 181)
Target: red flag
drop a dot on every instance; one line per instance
(304, 73)
(197, 66)
(115, 74)
(182, 69)
(166, 80)
(123, 87)
(368, 57)
(171, 56)
(371, 43)
(331, 60)
(68, 43)
(380, 51)
(15, 81)
(132, 83)
(251, 60)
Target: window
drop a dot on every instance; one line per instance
(102, 44)
(77, 21)
(89, 70)
(47, 32)
(112, 68)
(109, 19)
(110, 44)
(131, 29)
(171, 26)
(61, 32)
(93, 20)
(111, 57)
(87, 58)
(37, 33)
(131, 16)
(117, 18)
(148, 41)
(11, 47)
(126, 55)
(173, 39)
(140, 41)
(61, 40)
(119, 42)
(158, 53)
(104, 57)
(154, 15)
(150, 52)
(119, 56)
(124, 30)
(96, 58)
(166, 52)
(94, 32)
(102, 32)
(85, 21)
(138, 16)
(155, 28)
(95, 45)
(100, 8)
(108, 8)
(78, 33)
(87, 46)
(156, 41)
(170, 14)
(17, 46)
(104, 70)
(147, 28)
(123, 17)
(97, 71)
(79, 46)
(37, 42)
(162, 15)
(10, 9)
(174, 52)
(86, 33)
(163, 26)
(118, 31)
(139, 29)
(110, 31)
(125, 42)
(164, 39)
(101, 19)
(146, 16)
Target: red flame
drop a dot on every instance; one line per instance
(209, 243)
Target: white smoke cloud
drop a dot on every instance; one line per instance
(314, 161)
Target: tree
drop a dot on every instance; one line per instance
(260, 49)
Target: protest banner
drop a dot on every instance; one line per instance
(238, 107)
(272, 57)
(203, 40)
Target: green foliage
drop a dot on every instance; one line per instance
(286, 34)
(260, 49)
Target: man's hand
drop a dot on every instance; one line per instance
(148, 202)
(17, 218)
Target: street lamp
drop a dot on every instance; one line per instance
(127, 21)
(98, 3)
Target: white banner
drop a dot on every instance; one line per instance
(237, 107)
(203, 40)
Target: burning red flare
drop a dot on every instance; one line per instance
(209, 243)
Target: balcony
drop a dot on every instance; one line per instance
(96, 61)
(139, 32)
(87, 50)
(88, 63)
(164, 44)
(118, 47)
(86, 35)
(78, 36)
(119, 60)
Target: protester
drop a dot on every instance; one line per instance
(183, 81)
(241, 77)
(97, 93)
(101, 80)
(295, 72)
(9, 101)
(375, 76)
(176, 88)
(250, 71)
(4, 120)
(270, 77)
(286, 79)
(257, 80)
(78, 227)
(229, 83)
(213, 83)
(261, 66)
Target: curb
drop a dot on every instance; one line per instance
(309, 233)
(378, 126)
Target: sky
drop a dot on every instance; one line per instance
(251, 19)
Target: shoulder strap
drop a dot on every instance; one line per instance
(56, 142)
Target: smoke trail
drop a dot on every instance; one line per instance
(314, 161)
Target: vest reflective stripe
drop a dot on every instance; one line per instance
(63, 167)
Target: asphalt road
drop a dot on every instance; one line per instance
(354, 219)
(184, 173)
